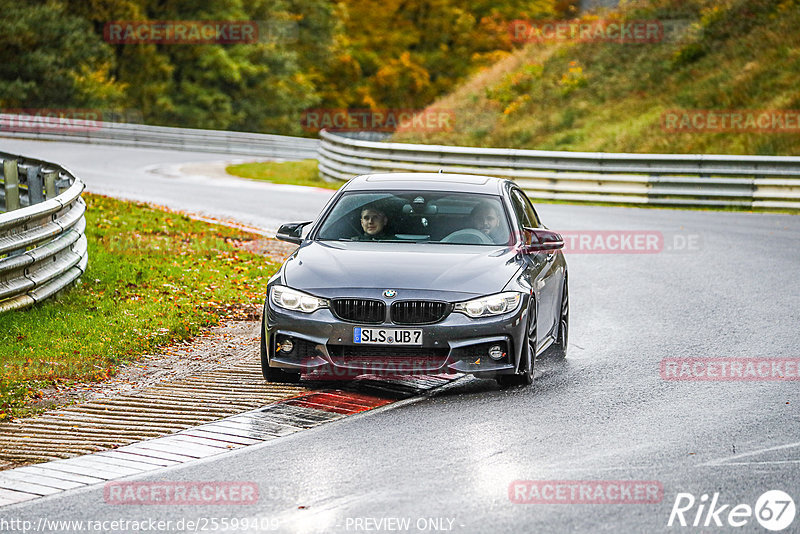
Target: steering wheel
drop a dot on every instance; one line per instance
(468, 236)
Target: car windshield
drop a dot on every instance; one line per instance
(428, 217)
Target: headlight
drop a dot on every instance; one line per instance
(491, 305)
(291, 299)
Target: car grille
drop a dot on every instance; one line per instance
(418, 312)
(399, 359)
(359, 310)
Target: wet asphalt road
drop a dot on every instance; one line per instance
(152, 175)
(604, 414)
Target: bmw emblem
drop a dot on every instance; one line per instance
(390, 293)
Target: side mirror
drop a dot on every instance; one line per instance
(292, 232)
(539, 239)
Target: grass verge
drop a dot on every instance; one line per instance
(303, 172)
(154, 277)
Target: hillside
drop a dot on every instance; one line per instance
(715, 57)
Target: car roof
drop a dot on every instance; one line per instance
(427, 181)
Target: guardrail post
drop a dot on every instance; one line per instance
(50, 184)
(35, 186)
(11, 176)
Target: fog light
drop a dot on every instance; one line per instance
(496, 352)
(286, 346)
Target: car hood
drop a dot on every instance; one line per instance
(327, 268)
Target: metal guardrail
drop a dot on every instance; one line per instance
(43, 248)
(759, 182)
(139, 135)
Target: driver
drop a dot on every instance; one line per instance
(373, 224)
(485, 217)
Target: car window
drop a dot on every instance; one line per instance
(531, 211)
(519, 209)
(526, 215)
(420, 217)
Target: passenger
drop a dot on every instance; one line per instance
(373, 223)
(485, 217)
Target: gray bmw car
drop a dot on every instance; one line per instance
(418, 273)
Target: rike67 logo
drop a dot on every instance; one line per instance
(774, 510)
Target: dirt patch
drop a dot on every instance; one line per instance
(209, 378)
(229, 343)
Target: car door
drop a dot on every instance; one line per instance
(543, 273)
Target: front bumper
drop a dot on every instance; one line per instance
(323, 344)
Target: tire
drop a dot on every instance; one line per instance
(272, 374)
(525, 378)
(558, 350)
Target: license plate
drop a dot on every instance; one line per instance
(387, 336)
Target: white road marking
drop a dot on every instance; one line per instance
(766, 462)
(726, 460)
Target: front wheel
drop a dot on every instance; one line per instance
(272, 374)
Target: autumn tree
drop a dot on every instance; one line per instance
(50, 58)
